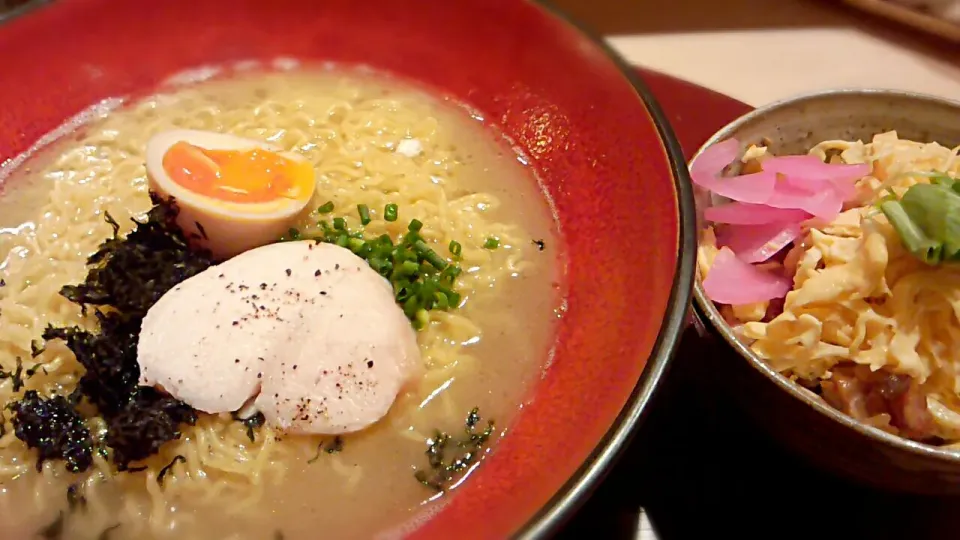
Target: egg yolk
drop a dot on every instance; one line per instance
(241, 176)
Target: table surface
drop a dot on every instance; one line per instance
(759, 51)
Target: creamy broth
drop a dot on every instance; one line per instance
(487, 354)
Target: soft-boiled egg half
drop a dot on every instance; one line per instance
(234, 194)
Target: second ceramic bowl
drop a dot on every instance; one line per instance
(798, 418)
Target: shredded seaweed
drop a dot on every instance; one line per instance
(76, 500)
(53, 531)
(126, 276)
(541, 245)
(55, 429)
(149, 420)
(105, 534)
(449, 456)
(15, 375)
(163, 472)
(332, 447)
(252, 423)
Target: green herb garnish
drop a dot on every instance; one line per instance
(927, 219)
(325, 208)
(390, 212)
(364, 212)
(450, 456)
(492, 243)
(455, 248)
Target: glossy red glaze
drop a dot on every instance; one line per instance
(553, 91)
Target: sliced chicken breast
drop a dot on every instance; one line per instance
(308, 329)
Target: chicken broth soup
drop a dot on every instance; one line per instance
(263, 306)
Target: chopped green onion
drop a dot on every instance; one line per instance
(421, 319)
(927, 219)
(293, 234)
(325, 208)
(492, 243)
(421, 279)
(455, 248)
(356, 245)
(409, 268)
(390, 212)
(364, 212)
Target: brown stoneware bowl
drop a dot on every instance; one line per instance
(798, 418)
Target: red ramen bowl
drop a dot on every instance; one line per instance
(594, 135)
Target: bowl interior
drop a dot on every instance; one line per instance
(794, 126)
(598, 151)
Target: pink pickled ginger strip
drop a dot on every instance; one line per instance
(757, 243)
(811, 168)
(753, 214)
(847, 189)
(808, 172)
(824, 203)
(748, 188)
(713, 160)
(735, 282)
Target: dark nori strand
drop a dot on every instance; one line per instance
(55, 429)
(127, 275)
(15, 375)
(131, 273)
(53, 531)
(109, 357)
(335, 446)
(105, 534)
(149, 420)
(75, 497)
(163, 472)
(252, 423)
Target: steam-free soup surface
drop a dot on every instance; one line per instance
(453, 174)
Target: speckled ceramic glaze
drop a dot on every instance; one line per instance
(596, 139)
(800, 419)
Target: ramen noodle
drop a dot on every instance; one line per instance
(460, 183)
